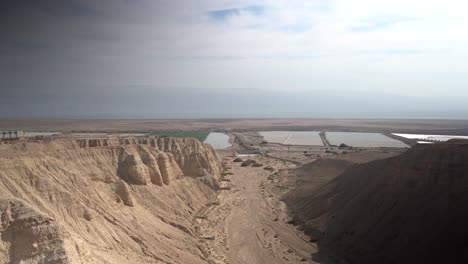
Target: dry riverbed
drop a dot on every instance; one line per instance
(248, 223)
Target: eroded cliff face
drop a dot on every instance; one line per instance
(30, 236)
(194, 158)
(105, 200)
(411, 208)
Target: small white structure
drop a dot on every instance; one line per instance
(248, 153)
(11, 134)
(429, 138)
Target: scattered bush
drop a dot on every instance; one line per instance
(343, 145)
(248, 163)
(252, 163)
(237, 160)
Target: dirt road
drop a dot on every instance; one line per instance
(250, 223)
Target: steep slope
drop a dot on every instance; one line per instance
(107, 200)
(412, 208)
(312, 176)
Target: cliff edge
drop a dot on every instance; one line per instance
(104, 200)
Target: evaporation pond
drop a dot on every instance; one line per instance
(355, 139)
(218, 140)
(311, 138)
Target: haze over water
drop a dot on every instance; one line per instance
(234, 59)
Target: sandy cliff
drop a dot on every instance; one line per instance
(412, 208)
(107, 200)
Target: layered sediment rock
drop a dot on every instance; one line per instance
(412, 208)
(105, 200)
(132, 169)
(29, 236)
(194, 158)
(153, 168)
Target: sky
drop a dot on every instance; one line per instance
(233, 58)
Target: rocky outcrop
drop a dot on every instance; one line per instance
(100, 201)
(142, 165)
(194, 159)
(190, 154)
(412, 208)
(123, 194)
(28, 236)
(166, 168)
(132, 169)
(153, 168)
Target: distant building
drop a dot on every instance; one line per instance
(11, 134)
(248, 153)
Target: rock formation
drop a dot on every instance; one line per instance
(412, 208)
(153, 168)
(103, 200)
(132, 169)
(29, 236)
(190, 154)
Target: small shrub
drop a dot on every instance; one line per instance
(248, 163)
(237, 160)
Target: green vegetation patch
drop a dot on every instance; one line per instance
(199, 135)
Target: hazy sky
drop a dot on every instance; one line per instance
(223, 58)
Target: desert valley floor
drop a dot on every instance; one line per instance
(134, 198)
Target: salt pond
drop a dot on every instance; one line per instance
(355, 139)
(430, 137)
(33, 134)
(311, 138)
(218, 140)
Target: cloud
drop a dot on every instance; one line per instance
(408, 47)
(381, 22)
(223, 15)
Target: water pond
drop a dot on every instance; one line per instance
(311, 138)
(33, 134)
(430, 137)
(218, 140)
(355, 139)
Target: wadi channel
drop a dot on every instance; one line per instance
(116, 198)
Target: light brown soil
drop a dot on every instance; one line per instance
(147, 125)
(250, 223)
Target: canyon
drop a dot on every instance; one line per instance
(154, 199)
(106, 200)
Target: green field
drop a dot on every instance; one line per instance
(200, 135)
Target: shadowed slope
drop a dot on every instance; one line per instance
(412, 208)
